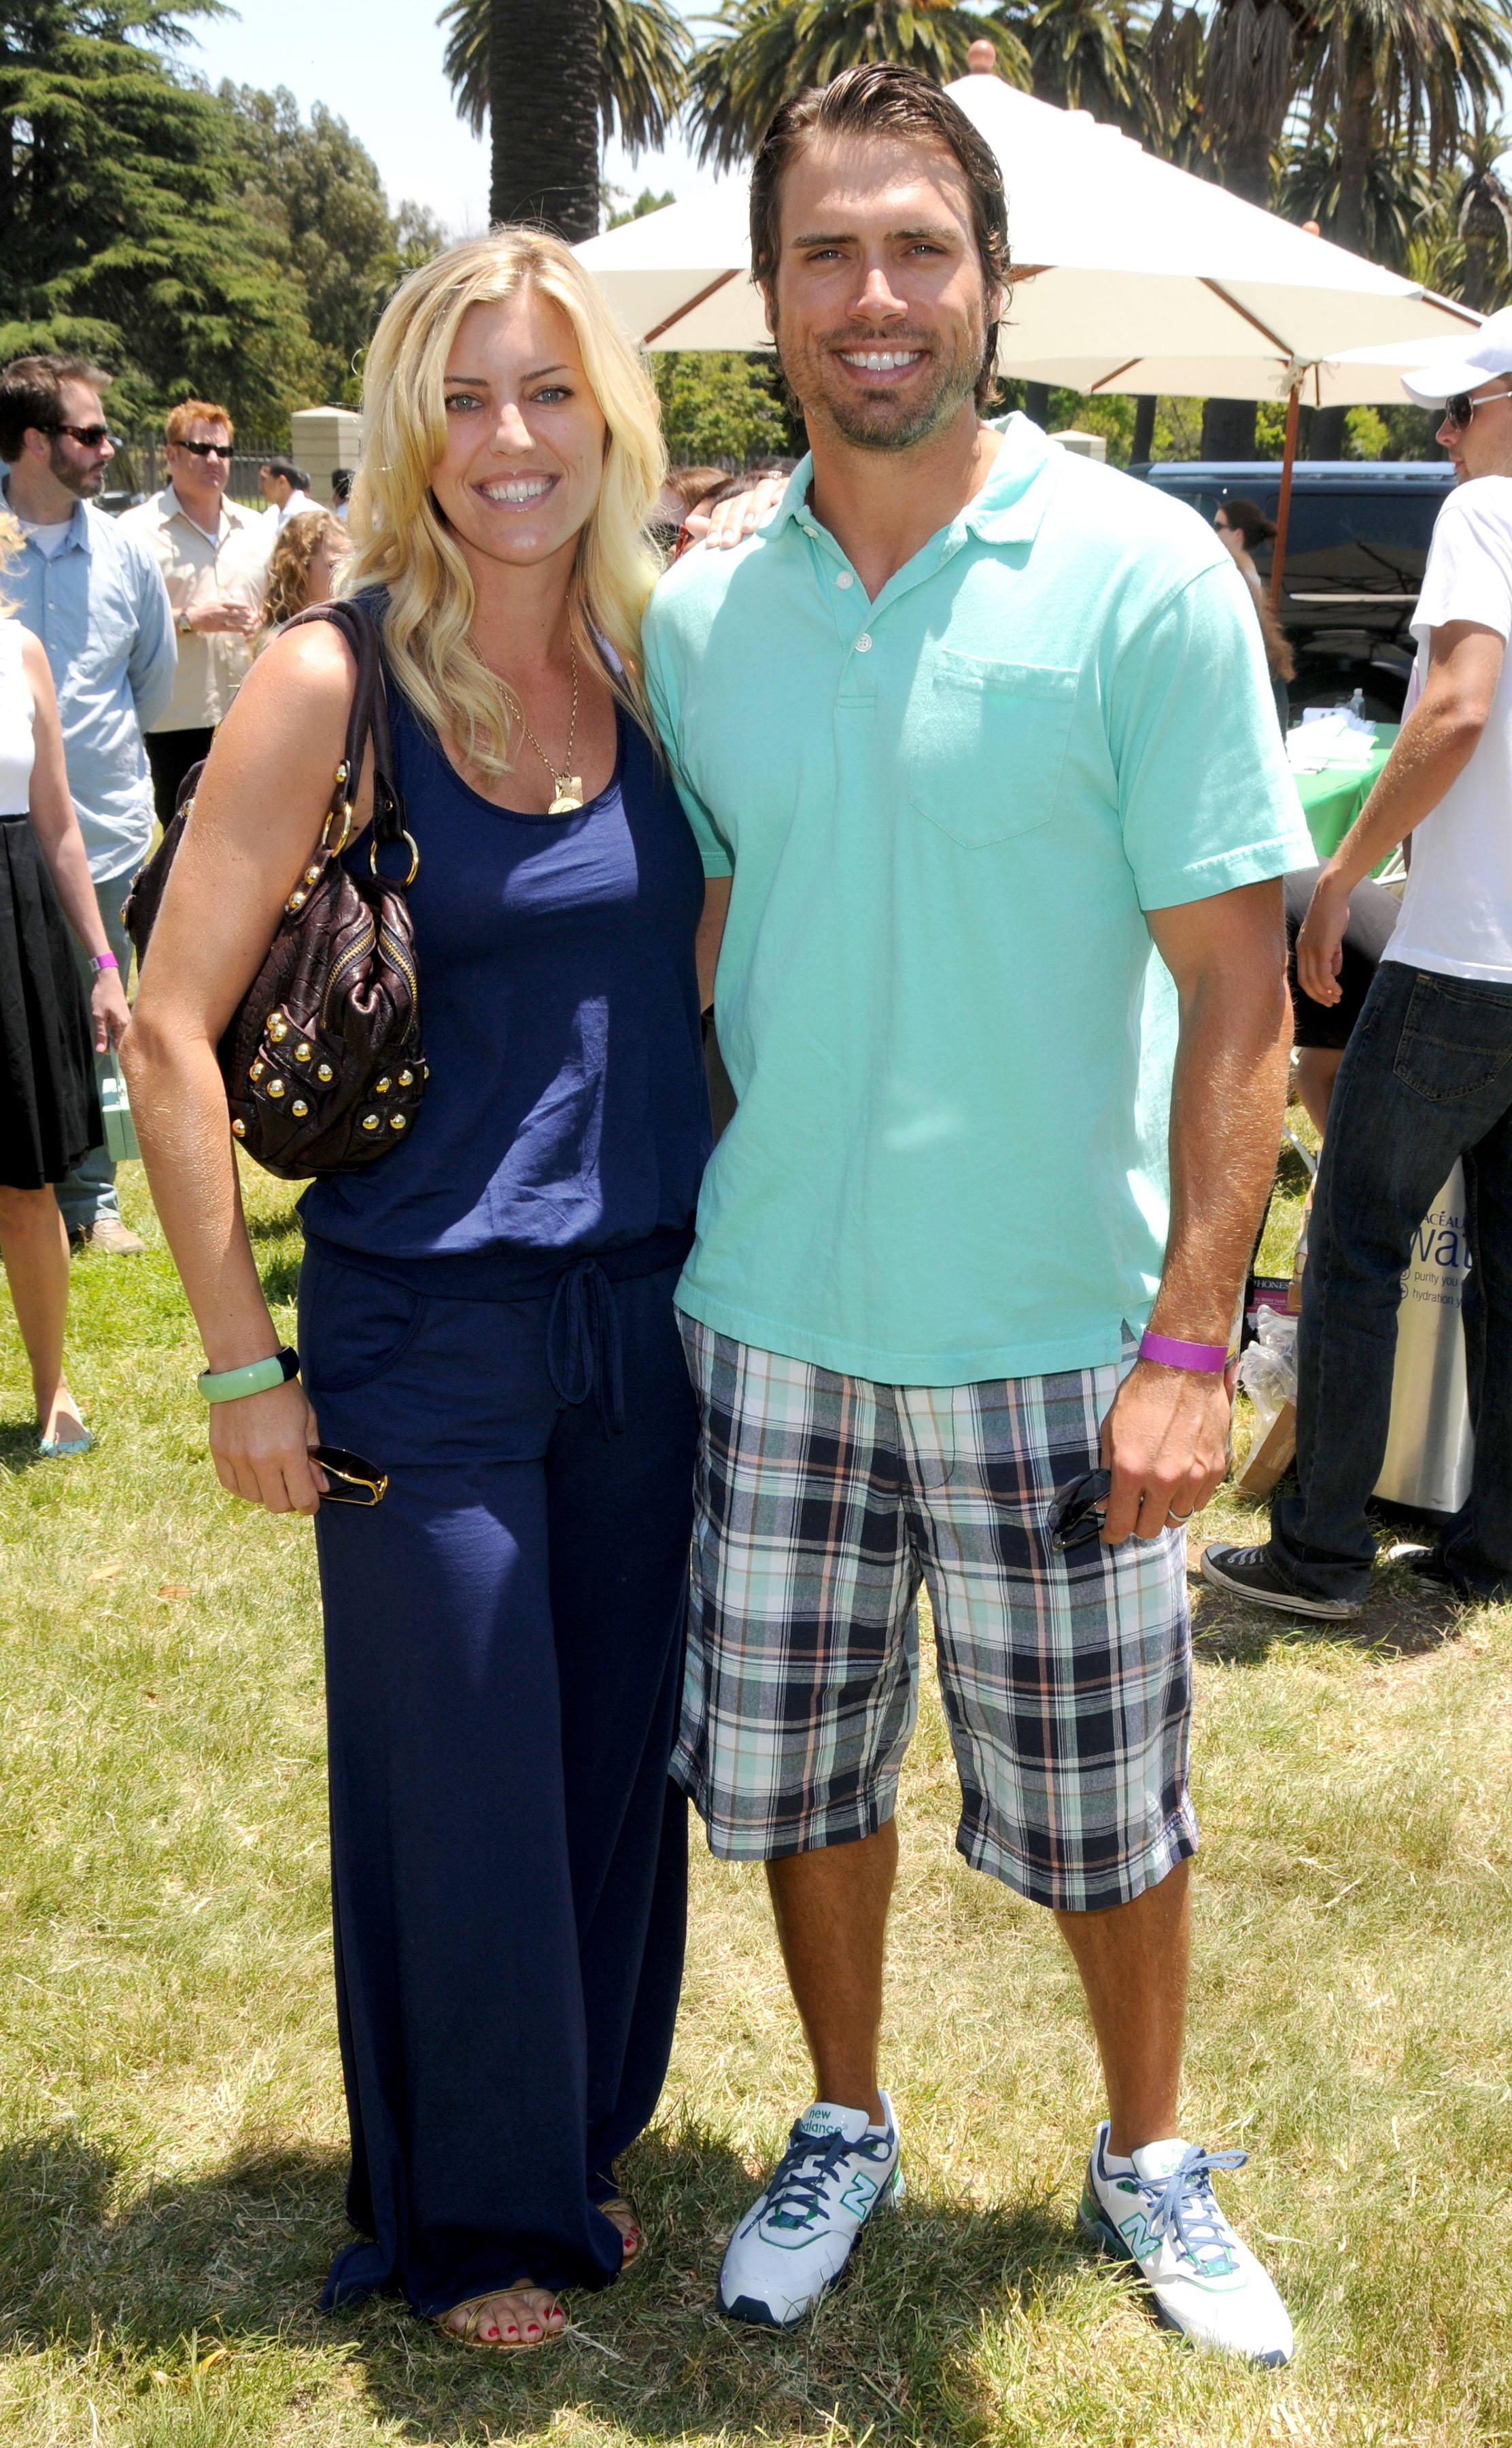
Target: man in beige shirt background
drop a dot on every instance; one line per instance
(213, 555)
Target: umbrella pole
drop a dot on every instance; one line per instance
(1283, 507)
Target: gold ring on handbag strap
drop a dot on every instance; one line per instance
(413, 849)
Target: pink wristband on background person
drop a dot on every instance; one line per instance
(1209, 1359)
(98, 960)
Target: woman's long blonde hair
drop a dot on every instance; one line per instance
(403, 543)
(13, 542)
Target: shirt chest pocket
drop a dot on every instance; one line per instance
(985, 744)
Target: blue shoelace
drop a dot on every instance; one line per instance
(795, 2194)
(1182, 2205)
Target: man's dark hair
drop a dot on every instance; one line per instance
(884, 100)
(31, 394)
(300, 476)
(342, 484)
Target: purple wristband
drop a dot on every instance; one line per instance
(1210, 1358)
(98, 960)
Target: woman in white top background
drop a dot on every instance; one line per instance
(49, 1111)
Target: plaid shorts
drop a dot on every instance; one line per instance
(822, 1502)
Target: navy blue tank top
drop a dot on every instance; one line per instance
(565, 1113)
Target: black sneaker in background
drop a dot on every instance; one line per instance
(1249, 1572)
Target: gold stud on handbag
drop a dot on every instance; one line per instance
(334, 1011)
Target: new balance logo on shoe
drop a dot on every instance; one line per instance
(794, 2241)
(1205, 2283)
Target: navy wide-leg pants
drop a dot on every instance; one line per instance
(504, 1644)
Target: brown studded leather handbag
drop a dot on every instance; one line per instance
(322, 1061)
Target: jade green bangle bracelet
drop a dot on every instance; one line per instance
(257, 1377)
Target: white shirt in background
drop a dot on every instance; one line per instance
(16, 714)
(197, 567)
(1456, 909)
(48, 540)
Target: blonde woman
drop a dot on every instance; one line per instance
(303, 568)
(486, 1315)
(49, 1113)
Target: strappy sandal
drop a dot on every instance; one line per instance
(474, 2306)
(632, 2251)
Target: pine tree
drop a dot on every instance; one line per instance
(320, 192)
(119, 231)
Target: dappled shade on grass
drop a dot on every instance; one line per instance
(171, 2131)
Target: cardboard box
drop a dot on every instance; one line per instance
(1270, 1458)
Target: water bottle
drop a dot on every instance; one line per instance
(1430, 1450)
(1357, 705)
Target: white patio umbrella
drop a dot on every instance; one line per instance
(1371, 377)
(1133, 275)
(1131, 271)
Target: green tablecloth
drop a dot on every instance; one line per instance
(1331, 800)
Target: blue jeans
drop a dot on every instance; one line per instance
(89, 1192)
(1426, 1078)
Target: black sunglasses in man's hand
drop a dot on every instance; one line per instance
(1076, 1515)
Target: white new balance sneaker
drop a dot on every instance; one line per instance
(794, 2242)
(1159, 2211)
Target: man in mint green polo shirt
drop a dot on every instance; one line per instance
(977, 731)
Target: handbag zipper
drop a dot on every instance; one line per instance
(353, 952)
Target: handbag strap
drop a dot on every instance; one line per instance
(368, 720)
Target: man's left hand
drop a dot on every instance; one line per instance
(1166, 1441)
(1320, 939)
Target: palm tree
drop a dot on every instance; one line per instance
(1399, 194)
(1462, 245)
(1482, 217)
(643, 53)
(1077, 52)
(542, 90)
(767, 51)
(1403, 75)
(1407, 74)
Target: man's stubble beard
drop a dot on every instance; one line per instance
(873, 424)
(82, 484)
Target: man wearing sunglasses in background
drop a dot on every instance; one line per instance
(213, 555)
(1426, 1078)
(94, 597)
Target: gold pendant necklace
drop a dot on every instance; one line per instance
(568, 786)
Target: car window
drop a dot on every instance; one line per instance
(1367, 540)
(1385, 535)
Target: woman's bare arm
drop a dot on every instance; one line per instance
(257, 814)
(50, 807)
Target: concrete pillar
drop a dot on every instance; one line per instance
(322, 439)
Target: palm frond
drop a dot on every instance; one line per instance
(764, 51)
(643, 52)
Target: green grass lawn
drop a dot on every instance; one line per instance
(171, 2157)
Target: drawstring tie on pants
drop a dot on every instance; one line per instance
(583, 1344)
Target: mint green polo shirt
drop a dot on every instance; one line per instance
(946, 813)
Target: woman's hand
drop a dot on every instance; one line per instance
(112, 1014)
(260, 1447)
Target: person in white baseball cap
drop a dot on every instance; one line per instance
(1426, 1078)
(1466, 378)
